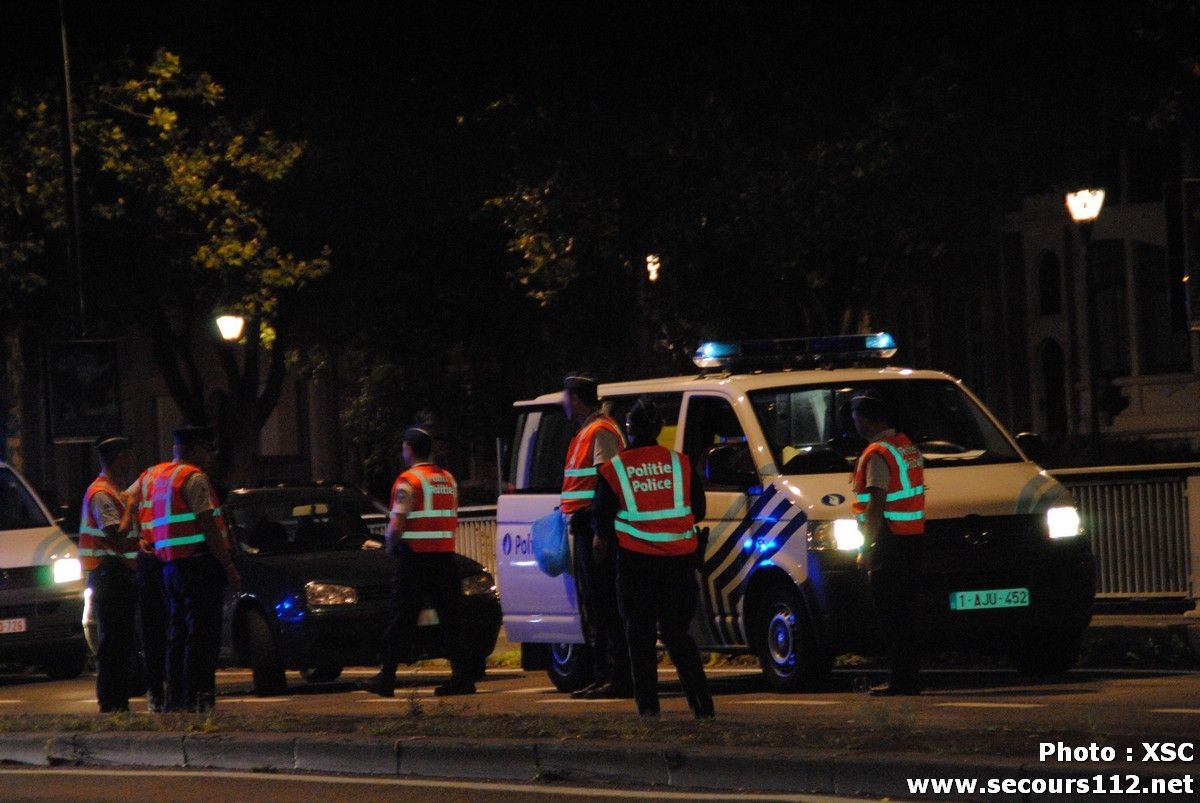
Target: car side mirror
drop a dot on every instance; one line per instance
(1031, 444)
(67, 519)
(730, 466)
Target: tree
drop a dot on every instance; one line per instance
(178, 194)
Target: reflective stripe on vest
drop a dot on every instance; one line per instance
(167, 521)
(431, 523)
(632, 520)
(904, 501)
(579, 475)
(94, 543)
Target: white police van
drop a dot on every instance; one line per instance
(41, 585)
(1006, 565)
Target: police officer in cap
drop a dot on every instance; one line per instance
(181, 517)
(109, 557)
(649, 500)
(595, 443)
(420, 538)
(889, 488)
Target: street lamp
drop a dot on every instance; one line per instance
(230, 327)
(653, 265)
(1084, 207)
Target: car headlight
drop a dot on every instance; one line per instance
(1063, 522)
(839, 534)
(67, 570)
(329, 594)
(476, 584)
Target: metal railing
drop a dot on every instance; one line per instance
(476, 535)
(1143, 532)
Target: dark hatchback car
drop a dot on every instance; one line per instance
(316, 587)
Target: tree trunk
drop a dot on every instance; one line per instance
(14, 375)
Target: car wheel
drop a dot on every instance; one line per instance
(570, 666)
(66, 665)
(326, 673)
(265, 663)
(788, 651)
(1047, 655)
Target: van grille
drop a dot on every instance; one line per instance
(976, 544)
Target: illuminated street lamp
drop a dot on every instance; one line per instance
(230, 327)
(1084, 205)
(653, 264)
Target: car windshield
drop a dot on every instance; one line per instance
(298, 523)
(810, 431)
(18, 510)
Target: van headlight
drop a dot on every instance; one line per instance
(840, 534)
(329, 594)
(1063, 522)
(67, 570)
(476, 584)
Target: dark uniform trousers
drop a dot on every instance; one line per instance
(599, 611)
(895, 571)
(658, 593)
(115, 599)
(195, 588)
(152, 605)
(422, 578)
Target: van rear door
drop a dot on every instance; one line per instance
(537, 608)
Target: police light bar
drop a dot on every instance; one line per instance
(795, 351)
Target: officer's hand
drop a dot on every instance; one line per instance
(599, 549)
(233, 577)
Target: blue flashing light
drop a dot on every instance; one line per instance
(748, 545)
(714, 354)
(881, 341)
(289, 609)
(795, 352)
(766, 546)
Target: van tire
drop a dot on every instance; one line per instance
(266, 666)
(66, 665)
(570, 666)
(782, 636)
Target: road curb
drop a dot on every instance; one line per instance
(683, 767)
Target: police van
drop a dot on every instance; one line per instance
(41, 585)
(1006, 566)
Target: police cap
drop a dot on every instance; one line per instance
(582, 383)
(644, 421)
(195, 435)
(419, 439)
(109, 448)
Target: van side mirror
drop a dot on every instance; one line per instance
(67, 519)
(729, 466)
(1031, 444)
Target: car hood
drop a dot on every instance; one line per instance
(37, 546)
(352, 567)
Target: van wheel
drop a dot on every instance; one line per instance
(570, 666)
(1046, 655)
(66, 665)
(265, 663)
(788, 651)
(326, 673)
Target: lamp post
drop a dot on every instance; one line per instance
(231, 327)
(1084, 207)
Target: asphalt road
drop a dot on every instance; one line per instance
(121, 786)
(1156, 704)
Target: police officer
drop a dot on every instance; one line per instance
(889, 488)
(597, 442)
(420, 537)
(181, 517)
(109, 557)
(649, 500)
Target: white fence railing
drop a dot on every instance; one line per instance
(476, 535)
(1144, 525)
(1143, 521)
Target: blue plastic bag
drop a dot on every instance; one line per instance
(551, 548)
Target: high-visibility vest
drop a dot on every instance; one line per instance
(579, 474)
(94, 543)
(167, 521)
(433, 518)
(655, 487)
(904, 504)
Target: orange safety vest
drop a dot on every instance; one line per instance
(655, 487)
(430, 524)
(166, 519)
(579, 475)
(94, 543)
(904, 504)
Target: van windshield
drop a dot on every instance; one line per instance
(18, 510)
(810, 431)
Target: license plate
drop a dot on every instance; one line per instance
(989, 598)
(12, 626)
